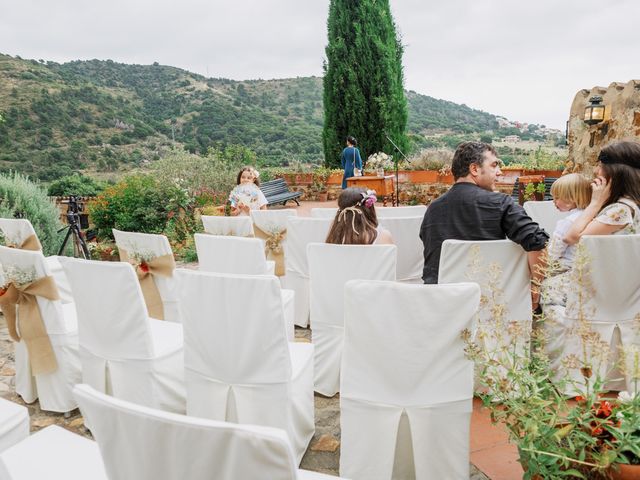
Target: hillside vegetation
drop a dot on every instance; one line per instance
(103, 116)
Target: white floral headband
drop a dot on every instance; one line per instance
(369, 199)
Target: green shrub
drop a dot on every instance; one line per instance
(20, 197)
(76, 184)
(138, 203)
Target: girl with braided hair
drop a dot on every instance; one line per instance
(356, 222)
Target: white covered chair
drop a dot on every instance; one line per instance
(330, 267)
(231, 254)
(324, 212)
(53, 389)
(239, 365)
(406, 211)
(301, 232)
(406, 387)
(545, 214)
(240, 226)
(14, 423)
(145, 444)
(123, 351)
(485, 261)
(243, 256)
(53, 453)
(156, 246)
(19, 233)
(609, 305)
(404, 231)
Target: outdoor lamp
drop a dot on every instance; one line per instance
(594, 112)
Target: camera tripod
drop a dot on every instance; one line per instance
(80, 249)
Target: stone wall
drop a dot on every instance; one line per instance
(622, 101)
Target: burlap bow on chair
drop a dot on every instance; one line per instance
(273, 247)
(162, 266)
(29, 243)
(28, 324)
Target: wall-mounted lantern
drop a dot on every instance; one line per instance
(594, 112)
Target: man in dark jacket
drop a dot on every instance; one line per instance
(473, 210)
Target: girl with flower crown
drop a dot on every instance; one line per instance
(247, 195)
(356, 222)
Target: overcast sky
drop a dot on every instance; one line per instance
(521, 59)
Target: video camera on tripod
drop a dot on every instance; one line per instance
(75, 222)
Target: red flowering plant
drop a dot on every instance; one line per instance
(558, 434)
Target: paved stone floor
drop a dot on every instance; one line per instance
(322, 456)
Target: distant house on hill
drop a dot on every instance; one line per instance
(512, 138)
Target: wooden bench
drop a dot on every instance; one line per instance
(277, 191)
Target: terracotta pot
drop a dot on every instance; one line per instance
(335, 179)
(446, 178)
(621, 471)
(323, 196)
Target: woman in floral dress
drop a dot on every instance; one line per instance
(614, 207)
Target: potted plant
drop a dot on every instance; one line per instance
(593, 436)
(530, 187)
(319, 183)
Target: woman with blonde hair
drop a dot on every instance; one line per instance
(356, 222)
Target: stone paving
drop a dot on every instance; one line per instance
(322, 456)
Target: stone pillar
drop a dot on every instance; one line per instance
(623, 111)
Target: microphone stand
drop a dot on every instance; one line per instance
(396, 165)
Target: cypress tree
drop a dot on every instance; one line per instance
(363, 80)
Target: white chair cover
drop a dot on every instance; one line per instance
(404, 231)
(145, 444)
(408, 211)
(229, 254)
(472, 261)
(609, 305)
(53, 389)
(403, 355)
(501, 269)
(244, 256)
(240, 226)
(239, 365)
(16, 231)
(123, 351)
(53, 453)
(330, 267)
(301, 232)
(157, 245)
(545, 214)
(324, 212)
(14, 423)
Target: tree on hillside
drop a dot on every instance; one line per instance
(363, 80)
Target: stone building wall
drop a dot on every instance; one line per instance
(623, 104)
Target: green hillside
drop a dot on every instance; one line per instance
(102, 116)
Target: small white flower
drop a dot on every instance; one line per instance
(626, 397)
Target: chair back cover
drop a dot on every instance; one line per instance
(156, 246)
(236, 350)
(406, 387)
(404, 231)
(112, 316)
(32, 264)
(615, 282)
(269, 220)
(402, 342)
(240, 226)
(330, 267)
(408, 211)
(324, 212)
(545, 214)
(16, 230)
(300, 232)
(226, 254)
(484, 262)
(142, 443)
